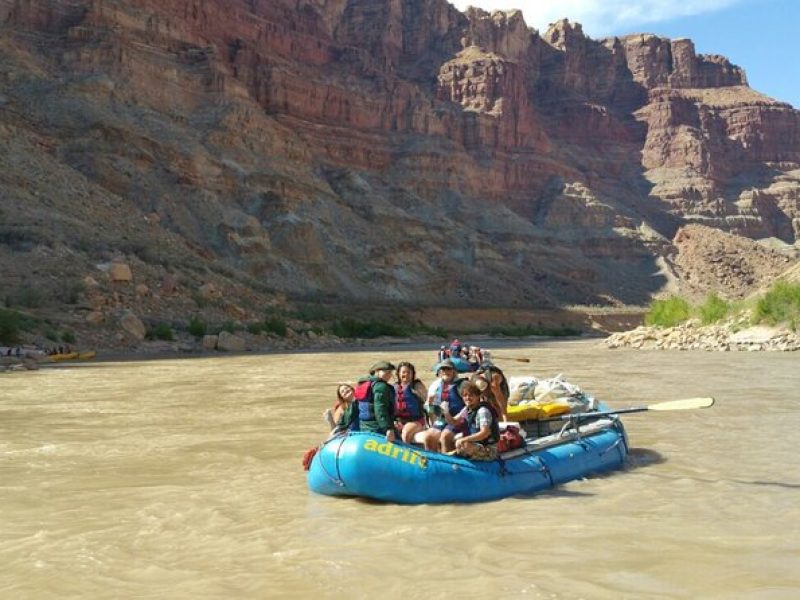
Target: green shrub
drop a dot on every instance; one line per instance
(68, 337)
(668, 313)
(311, 313)
(425, 329)
(230, 327)
(10, 324)
(526, 330)
(781, 304)
(52, 335)
(275, 325)
(160, 331)
(255, 328)
(197, 327)
(75, 291)
(353, 328)
(28, 297)
(713, 309)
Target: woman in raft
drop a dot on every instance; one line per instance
(409, 409)
(345, 393)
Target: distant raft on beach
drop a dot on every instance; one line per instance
(89, 355)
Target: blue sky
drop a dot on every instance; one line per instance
(758, 35)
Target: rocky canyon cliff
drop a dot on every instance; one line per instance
(370, 151)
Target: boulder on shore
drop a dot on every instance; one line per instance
(230, 342)
(210, 342)
(133, 325)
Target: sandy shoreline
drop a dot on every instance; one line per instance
(382, 344)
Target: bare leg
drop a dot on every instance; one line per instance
(409, 429)
(447, 441)
(428, 438)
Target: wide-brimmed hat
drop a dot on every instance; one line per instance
(382, 365)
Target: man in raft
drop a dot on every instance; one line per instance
(374, 400)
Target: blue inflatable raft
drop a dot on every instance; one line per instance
(366, 465)
(461, 365)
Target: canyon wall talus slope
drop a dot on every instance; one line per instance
(378, 150)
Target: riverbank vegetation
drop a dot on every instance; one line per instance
(13, 323)
(285, 325)
(529, 330)
(780, 304)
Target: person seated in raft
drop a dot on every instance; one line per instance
(474, 357)
(479, 442)
(409, 409)
(345, 393)
(444, 393)
(373, 409)
(487, 395)
(454, 349)
(498, 384)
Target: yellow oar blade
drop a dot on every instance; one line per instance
(684, 404)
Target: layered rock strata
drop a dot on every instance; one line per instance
(373, 151)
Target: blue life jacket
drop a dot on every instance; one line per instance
(449, 393)
(366, 401)
(407, 405)
(472, 422)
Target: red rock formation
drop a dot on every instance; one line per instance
(381, 150)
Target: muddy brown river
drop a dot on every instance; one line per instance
(182, 479)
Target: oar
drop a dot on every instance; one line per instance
(685, 404)
(525, 360)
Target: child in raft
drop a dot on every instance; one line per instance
(479, 442)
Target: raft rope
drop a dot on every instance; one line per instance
(338, 479)
(612, 446)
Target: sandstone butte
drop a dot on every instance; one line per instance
(237, 155)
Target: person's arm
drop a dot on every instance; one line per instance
(421, 392)
(483, 433)
(499, 396)
(447, 416)
(347, 417)
(382, 396)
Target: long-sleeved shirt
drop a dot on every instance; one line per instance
(383, 407)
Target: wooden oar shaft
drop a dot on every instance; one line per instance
(688, 403)
(525, 360)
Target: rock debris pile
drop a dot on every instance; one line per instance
(729, 336)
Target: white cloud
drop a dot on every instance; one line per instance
(601, 17)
